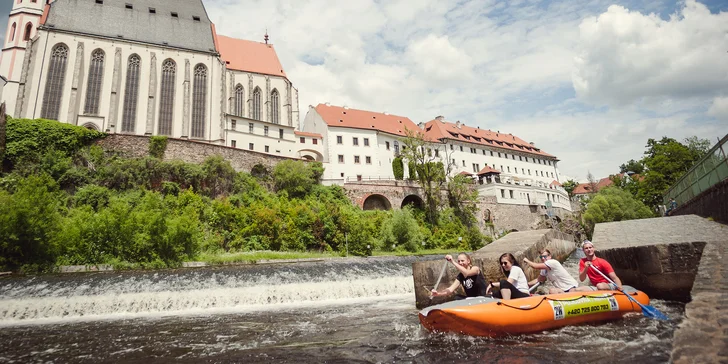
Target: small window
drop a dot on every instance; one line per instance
(232, 125)
(509, 169)
(267, 149)
(250, 146)
(511, 191)
(341, 158)
(356, 159)
(152, 11)
(503, 193)
(303, 140)
(233, 144)
(355, 141)
(491, 153)
(195, 18)
(175, 15)
(463, 162)
(129, 6)
(314, 141)
(368, 159)
(461, 148)
(340, 140)
(100, 2)
(386, 144)
(514, 156)
(366, 142)
(499, 155)
(280, 133)
(437, 153)
(483, 151)
(250, 128)
(520, 158)
(265, 130)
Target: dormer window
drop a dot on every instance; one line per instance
(129, 6)
(101, 2)
(152, 11)
(196, 18)
(175, 15)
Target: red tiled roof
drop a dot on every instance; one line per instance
(464, 173)
(249, 56)
(44, 17)
(582, 189)
(304, 133)
(361, 119)
(438, 129)
(487, 169)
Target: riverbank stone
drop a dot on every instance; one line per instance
(520, 244)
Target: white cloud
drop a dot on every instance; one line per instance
(627, 56)
(719, 108)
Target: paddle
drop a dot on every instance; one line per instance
(442, 272)
(647, 310)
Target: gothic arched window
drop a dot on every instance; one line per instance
(239, 106)
(274, 107)
(199, 95)
(12, 31)
(166, 97)
(54, 82)
(95, 80)
(28, 30)
(131, 94)
(255, 110)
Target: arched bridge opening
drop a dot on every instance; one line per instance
(376, 202)
(413, 201)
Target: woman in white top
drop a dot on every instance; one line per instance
(516, 285)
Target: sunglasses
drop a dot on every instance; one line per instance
(544, 256)
(504, 263)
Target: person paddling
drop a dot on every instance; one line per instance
(469, 278)
(554, 272)
(597, 280)
(516, 285)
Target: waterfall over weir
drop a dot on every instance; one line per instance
(101, 296)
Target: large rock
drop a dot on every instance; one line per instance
(520, 244)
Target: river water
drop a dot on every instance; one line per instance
(335, 311)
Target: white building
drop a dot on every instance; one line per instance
(358, 144)
(146, 67)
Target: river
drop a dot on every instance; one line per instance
(333, 311)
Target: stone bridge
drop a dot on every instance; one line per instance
(385, 194)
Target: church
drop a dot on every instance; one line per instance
(144, 67)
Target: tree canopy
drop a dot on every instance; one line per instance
(613, 204)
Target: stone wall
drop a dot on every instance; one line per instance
(137, 146)
(710, 203)
(513, 217)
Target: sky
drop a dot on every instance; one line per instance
(588, 81)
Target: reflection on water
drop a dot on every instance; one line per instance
(370, 317)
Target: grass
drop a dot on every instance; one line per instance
(256, 256)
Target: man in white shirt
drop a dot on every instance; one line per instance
(554, 272)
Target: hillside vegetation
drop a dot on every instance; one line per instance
(64, 200)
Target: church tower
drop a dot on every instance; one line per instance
(23, 24)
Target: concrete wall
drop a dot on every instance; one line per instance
(520, 244)
(711, 203)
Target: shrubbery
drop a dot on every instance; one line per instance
(64, 201)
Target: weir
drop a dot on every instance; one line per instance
(520, 244)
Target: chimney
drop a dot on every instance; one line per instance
(439, 117)
(457, 124)
(385, 113)
(532, 144)
(328, 104)
(346, 107)
(421, 125)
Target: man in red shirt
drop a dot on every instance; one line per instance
(599, 263)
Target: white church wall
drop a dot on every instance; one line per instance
(259, 80)
(212, 112)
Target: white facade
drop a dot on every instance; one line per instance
(260, 136)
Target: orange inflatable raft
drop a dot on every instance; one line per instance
(485, 316)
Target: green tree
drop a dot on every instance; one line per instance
(398, 168)
(402, 230)
(463, 197)
(613, 204)
(294, 177)
(632, 166)
(569, 186)
(431, 173)
(412, 169)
